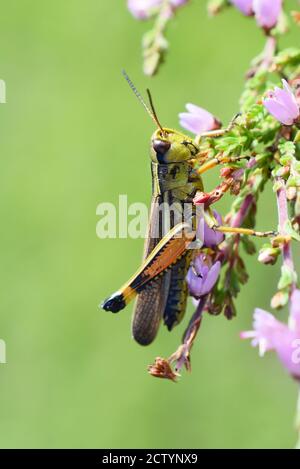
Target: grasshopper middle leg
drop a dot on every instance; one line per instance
(212, 223)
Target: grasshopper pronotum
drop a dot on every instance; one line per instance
(159, 283)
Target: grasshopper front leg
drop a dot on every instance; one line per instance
(218, 132)
(166, 253)
(209, 198)
(213, 162)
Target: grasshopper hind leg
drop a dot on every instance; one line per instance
(165, 298)
(114, 303)
(149, 309)
(152, 283)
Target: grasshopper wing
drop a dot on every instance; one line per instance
(150, 303)
(165, 295)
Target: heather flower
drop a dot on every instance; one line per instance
(178, 3)
(202, 276)
(162, 369)
(281, 103)
(210, 237)
(197, 119)
(143, 9)
(245, 6)
(267, 12)
(271, 334)
(294, 318)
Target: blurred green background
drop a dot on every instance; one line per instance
(72, 136)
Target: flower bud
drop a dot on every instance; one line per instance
(267, 12)
(226, 172)
(279, 300)
(268, 255)
(291, 193)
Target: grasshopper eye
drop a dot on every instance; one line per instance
(161, 146)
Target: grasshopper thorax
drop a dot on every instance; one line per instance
(171, 146)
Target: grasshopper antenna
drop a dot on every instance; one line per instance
(151, 112)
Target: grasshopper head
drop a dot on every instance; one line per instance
(171, 146)
(167, 145)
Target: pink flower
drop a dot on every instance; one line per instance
(245, 6)
(210, 238)
(143, 9)
(282, 104)
(267, 12)
(202, 276)
(178, 3)
(271, 334)
(197, 119)
(294, 318)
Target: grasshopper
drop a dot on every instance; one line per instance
(159, 284)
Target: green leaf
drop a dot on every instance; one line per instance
(293, 181)
(290, 230)
(287, 150)
(288, 56)
(232, 282)
(297, 137)
(248, 245)
(276, 186)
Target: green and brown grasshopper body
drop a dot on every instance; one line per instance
(159, 283)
